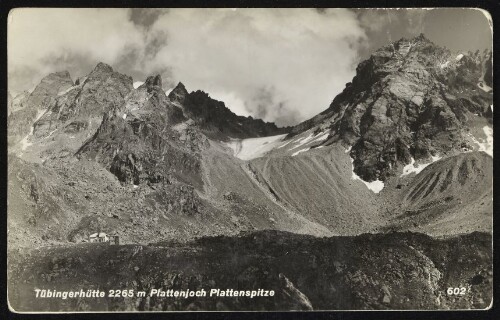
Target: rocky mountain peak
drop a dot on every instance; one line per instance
(61, 77)
(78, 111)
(180, 86)
(178, 94)
(102, 67)
(410, 100)
(152, 83)
(58, 76)
(218, 121)
(26, 107)
(49, 87)
(104, 72)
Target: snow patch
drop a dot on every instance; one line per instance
(412, 168)
(310, 138)
(247, 149)
(302, 141)
(300, 151)
(284, 144)
(483, 86)
(486, 144)
(124, 116)
(52, 132)
(321, 137)
(67, 90)
(459, 57)
(375, 186)
(25, 143)
(137, 84)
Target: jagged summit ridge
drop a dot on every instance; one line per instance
(178, 94)
(152, 82)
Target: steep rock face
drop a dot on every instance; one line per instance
(216, 120)
(409, 99)
(102, 90)
(74, 114)
(27, 108)
(137, 142)
(49, 88)
(178, 94)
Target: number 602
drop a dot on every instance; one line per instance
(456, 291)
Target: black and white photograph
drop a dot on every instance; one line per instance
(249, 159)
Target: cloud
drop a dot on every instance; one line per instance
(391, 20)
(305, 56)
(145, 17)
(283, 65)
(416, 23)
(45, 40)
(384, 26)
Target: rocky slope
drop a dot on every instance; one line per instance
(451, 196)
(127, 161)
(410, 99)
(393, 271)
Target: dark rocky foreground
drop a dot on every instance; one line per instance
(390, 271)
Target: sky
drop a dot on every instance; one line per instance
(280, 65)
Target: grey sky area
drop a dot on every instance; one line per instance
(282, 65)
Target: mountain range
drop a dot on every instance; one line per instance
(405, 147)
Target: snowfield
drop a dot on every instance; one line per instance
(412, 168)
(247, 149)
(486, 144)
(137, 84)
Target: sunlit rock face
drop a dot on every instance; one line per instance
(410, 100)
